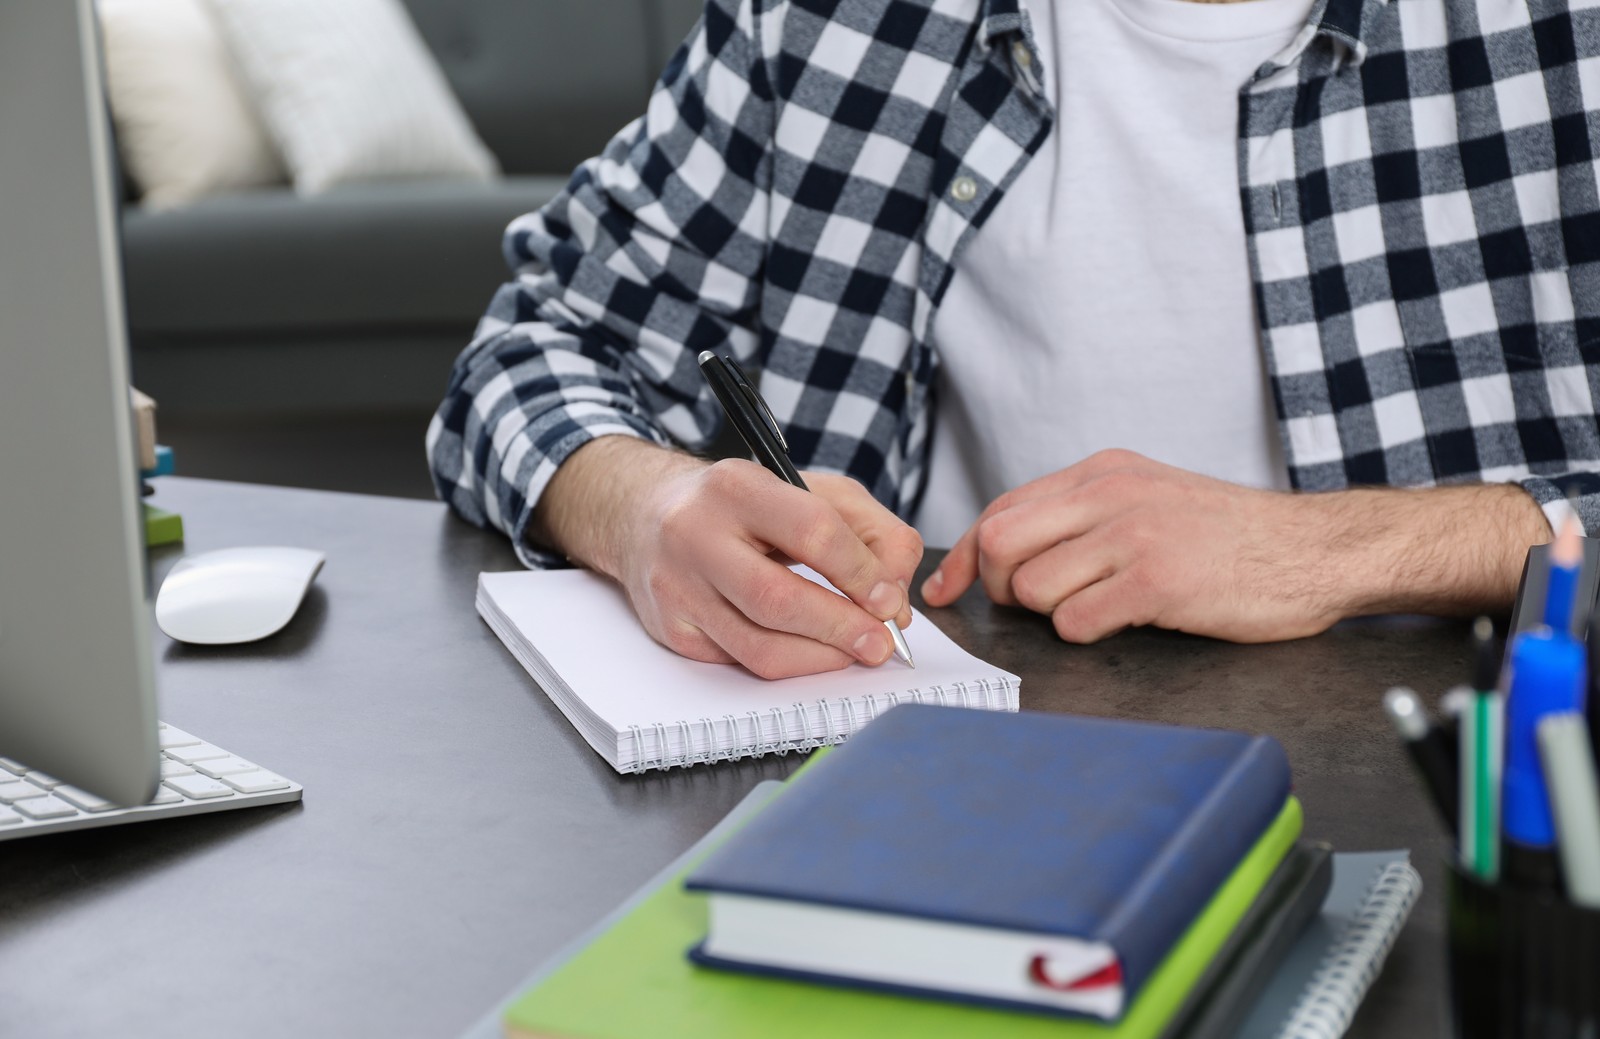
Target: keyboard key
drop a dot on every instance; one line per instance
(17, 790)
(7, 817)
(199, 787)
(16, 768)
(175, 768)
(83, 799)
(39, 779)
(201, 751)
(45, 808)
(255, 782)
(170, 737)
(216, 768)
(166, 797)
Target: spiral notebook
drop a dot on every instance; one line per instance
(642, 706)
(1319, 985)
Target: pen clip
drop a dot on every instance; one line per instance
(742, 381)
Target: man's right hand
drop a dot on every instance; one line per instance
(699, 548)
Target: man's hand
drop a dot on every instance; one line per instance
(698, 548)
(1119, 540)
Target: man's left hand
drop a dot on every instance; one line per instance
(1119, 540)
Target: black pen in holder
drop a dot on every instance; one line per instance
(1524, 963)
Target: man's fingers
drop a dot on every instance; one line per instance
(782, 601)
(1005, 539)
(955, 573)
(768, 653)
(1061, 571)
(1009, 538)
(896, 543)
(808, 529)
(1100, 610)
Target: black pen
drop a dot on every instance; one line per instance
(1430, 750)
(753, 419)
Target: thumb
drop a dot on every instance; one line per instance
(955, 572)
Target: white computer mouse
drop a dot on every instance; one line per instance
(234, 594)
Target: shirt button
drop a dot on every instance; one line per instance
(1019, 52)
(964, 189)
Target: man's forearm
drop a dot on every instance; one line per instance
(1447, 550)
(585, 510)
(1119, 540)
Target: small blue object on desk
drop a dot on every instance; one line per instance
(164, 464)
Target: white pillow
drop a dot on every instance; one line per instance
(185, 125)
(350, 92)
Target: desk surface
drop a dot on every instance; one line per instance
(456, 829)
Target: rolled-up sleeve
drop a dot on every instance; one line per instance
(652, 253)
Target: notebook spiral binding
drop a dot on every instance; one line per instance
(802, 727)
(1341, 980)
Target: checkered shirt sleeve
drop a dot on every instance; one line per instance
(648, 256)
(1424, 223)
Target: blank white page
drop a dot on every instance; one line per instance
(582, 624)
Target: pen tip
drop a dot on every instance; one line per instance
(901, 649)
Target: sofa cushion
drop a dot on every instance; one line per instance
(359, 257)
(186, 127)
(350, 93)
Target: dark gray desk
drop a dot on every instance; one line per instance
(456, 829)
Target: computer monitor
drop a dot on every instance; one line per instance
(77, 683)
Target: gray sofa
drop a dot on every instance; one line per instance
(357, 300)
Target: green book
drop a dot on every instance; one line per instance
(635, 980)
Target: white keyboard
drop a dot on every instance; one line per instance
(196, 776)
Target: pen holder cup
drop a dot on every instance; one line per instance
(1524, 964)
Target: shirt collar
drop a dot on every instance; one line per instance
(1342, 23)
(997, 18)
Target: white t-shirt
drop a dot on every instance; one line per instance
(1107, 300)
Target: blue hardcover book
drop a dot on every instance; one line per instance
(1025, 859)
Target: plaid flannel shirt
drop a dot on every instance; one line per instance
(1418, 181)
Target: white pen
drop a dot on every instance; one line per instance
(1574, 802)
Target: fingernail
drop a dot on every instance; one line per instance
(930, 587)
(873, 647)
(884, 600)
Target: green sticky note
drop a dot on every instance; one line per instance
(161, 527)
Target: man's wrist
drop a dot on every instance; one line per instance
(588, 508)
(1447, 550)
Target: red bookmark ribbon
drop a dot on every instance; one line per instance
(1108, 976)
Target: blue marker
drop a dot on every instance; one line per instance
(1548, 673)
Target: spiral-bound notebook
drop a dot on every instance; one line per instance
(642, 706)
(1319, 985)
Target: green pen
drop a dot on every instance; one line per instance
(1486, 753)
